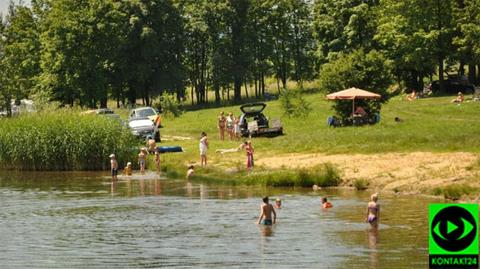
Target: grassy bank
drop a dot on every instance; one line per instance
(62, 140)
(427, 125)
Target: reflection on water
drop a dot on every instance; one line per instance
(83, 220)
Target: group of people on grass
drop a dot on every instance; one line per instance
(229, 124)
(268, 215)
(459, 99)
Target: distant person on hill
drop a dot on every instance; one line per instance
(203, 146)
(360, 111)
(412, 96)
(142, 158)
(460, 98)
(221, 124)
(278, 203)
(190, 171)
(373, 211)
(326, 204)
(113, 166)
(249, 151)
(128, 169)
(266, 211)
(230, 125)
(151, 144)
(157, 160)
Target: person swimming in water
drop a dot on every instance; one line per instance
(373, 211)
(325, 203)
(266, 211)
(278, 203)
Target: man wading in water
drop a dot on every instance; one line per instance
(266, 211)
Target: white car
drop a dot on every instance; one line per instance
(144, 128)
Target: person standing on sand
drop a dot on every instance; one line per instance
(249, 150)
(221, 124)
(113, 166)
(142, 159)
(373, 211)
(203, 146)
(266, 211)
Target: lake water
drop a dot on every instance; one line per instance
(81, 220)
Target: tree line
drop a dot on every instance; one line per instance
(86, 52)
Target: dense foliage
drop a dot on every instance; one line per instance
(63, 141)
(87, 51)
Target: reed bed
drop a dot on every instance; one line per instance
(62, 140)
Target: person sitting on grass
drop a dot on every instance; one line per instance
(460, 98)
(360, 112)
(412, 96)
(326, 204)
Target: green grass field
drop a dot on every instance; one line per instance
(430, 124)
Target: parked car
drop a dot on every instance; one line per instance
(145, 112)
(254, 123)
(144, 128)
(453, 85)
(106, 112)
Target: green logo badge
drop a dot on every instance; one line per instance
(453, 237)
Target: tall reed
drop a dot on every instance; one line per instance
(62, 140)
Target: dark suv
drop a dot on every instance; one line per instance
(254, 123)
(453, 85)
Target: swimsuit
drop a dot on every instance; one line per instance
(114, 171)
(266, 222)
(371, 218)
(203, 147)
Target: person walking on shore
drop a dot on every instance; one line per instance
(249, 150)
(203, 146)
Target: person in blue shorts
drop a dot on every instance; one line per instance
(266, 211)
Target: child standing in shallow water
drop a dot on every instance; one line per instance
(113, 166)
(373, 211)
(142, 159)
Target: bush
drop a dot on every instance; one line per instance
(454, 192)
(63, 140)
(368, 71)
(294, 105)
(360, 184)
(168, 105)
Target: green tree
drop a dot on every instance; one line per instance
(19, 57)
(369, 71)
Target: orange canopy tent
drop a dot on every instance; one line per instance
(352, 94)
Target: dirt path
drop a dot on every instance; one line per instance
(409, 172)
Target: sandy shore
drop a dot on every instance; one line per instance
(406, 172)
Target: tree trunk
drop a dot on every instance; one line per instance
(441, 69)
(246, 89)
(471, 73)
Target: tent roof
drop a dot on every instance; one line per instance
(353, 93)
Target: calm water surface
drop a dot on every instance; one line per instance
(81, 220)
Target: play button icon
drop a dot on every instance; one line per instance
(451, 227)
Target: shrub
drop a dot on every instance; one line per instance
(360, 184)
(369, 71)
(294, 105)
(63, 140)
(168, 105)
(454, 192)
